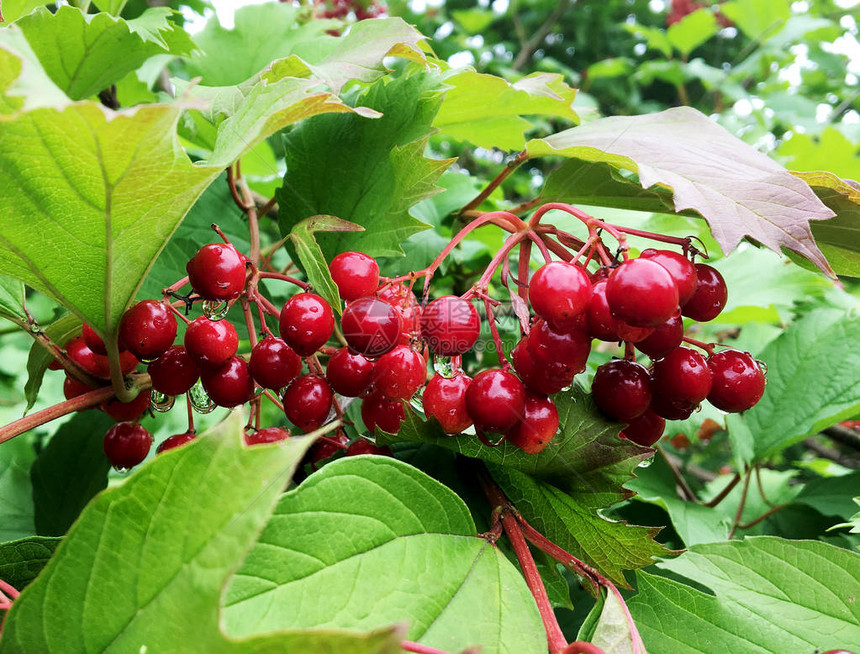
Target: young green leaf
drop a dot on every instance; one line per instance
(59, 331)
(22, 560)
(11, 299)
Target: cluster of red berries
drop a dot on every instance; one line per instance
(342, 9)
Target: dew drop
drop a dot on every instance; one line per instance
(161, 402)
(121, 470)
(215, 309)
(200, 400)
(490, 439)
(35, 327)
(444, 366)
(763, 366)
(647, 462)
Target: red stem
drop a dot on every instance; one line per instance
(9, 590)
(511, 166)
(418, 648)
(707, 347)
(284, 278)
(494, 330)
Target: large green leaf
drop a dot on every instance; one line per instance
(86, 53)
(16, 493)
(766, 595)
(758, 19)
(14, 9)
(740, 192)
(368, 541)
(22, 560)
(831, 496)
(377, 168)
(166, 538)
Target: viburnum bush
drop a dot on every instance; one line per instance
(328, 391)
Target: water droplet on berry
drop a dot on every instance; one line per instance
(417, 400)
(490, 439)
(215, 309)
(647, 462)
(200, 400)
(161, 402)
(763, 366)
(444, 366)
(121, 470)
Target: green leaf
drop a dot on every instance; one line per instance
(405, 547)
(59, 331)
(112, 7)
(11, 299)
(22, 560)
(692, 31)
(655, 38)
(30, 91)
(69, 472)
(378, 168)
(831, 496)
(767, 595)
(831, 151)
(358, 55)
(86, 53)
(741, 192)
(488, 111)
(16, 495)
(311, 256)
(612, 632)
(758, 19)
(169, 536)
(14, 9)
(474, 21)
(575, 524)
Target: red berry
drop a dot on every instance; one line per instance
(710, 296)
(217, 272)
(670, 409)
(645, 430)
(401, 298)
(325, 448)
(94, 341)
(126, 444)
(603, 326)
(642, 293)
(364, 446)
(445, 400)
(538, 425)
(663, 339)
(175, 441)
(174, 372)
(273, 363)
(569, 348)
(370, 326)
(738, 381)
(380, 411)
(546, 379)
(400, 373)
(450, 325)
(306, 323)
(72, 388)
(230, 384)
(495, 400)
(681, 269)
(559, 293)
(622, 389)
(211, 343)
(349, 374)
(682, 376)
(54, 364)
(147, 329)
(307, 402)
(355, 273)
(127, 411)
(96, 364)
(268, 435)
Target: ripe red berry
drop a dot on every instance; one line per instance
(230, 384)
(127, 411)
(710, 296)
(569, 348)
(349, 374)
(355, 274)
(211, 343)
(445, 400)
(682, 375)
(645, 430)
(370, 326)
(401, 298)
(671, 409)
(380, 411)
(273, 363)
(267, 435)
(94, 341)
(307, 402)
(603, 326)
(681, 269)
(325, 448)
(217, 272)
(126, 444)
(364, 446)
(538, 425)
(495, 400)
(97, 365)
(175, 441)
(147, 329)
(663, 339)
(174, 372)
(400, 373)
(559, 293)
(546, 379)
(306, 323)
(72, 388)
(450, 325)
(642, 293)
(622, 389)
(738, 381)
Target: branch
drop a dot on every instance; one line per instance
(532, 44)
(843, 436)
(510, 167)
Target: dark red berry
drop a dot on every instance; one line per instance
(559, 293)
(738, 381)
(217, 272)
(174, 372)
(371, 327)
(622, 389)
(355, 274)
(541, 378)
(267, 435)
(380, 411)
(495, 400)
(94, 341)
(663, 339)
(54, 364)
(211, 343)
(710, 296)
(72, 388)
(681, 377)
(642, 293)
(401, 298)
(273, 363)
(307, 402)
(230, 384)
(126, 444)
(400, 373)
(127, 411)
(669, 408)
(306, 323)
(445, 400)
(645, 430)
(538, 425)
(569, 348)
(603, 326)
(147, 329)
(364, 446)
(175, 441)
(450, 325)
(349, 374)
(97, 365)
(326, 447)
(681, 269)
